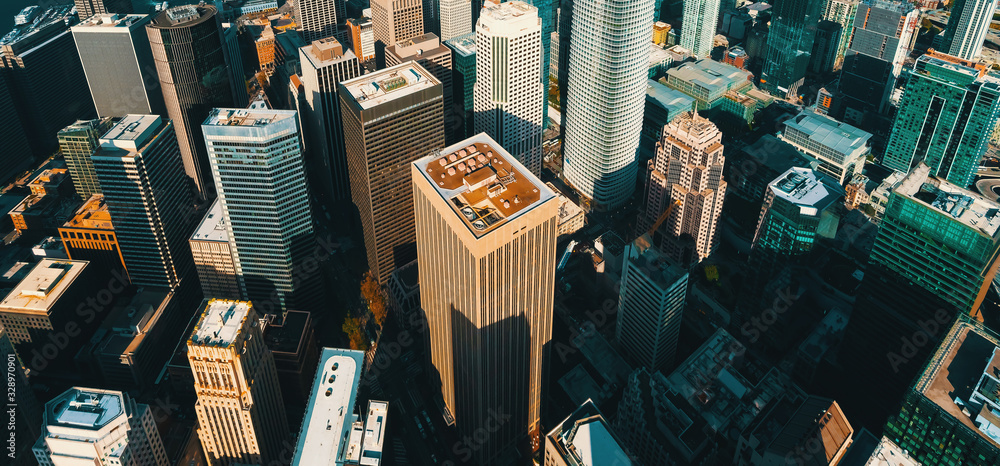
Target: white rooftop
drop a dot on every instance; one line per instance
(511, 16)
(804, 188)
(329, 416)
(596, 446)
(970, 208)
(131, 133)
(86, 409)
(246, 116)
(43, 286)
(212, 226)
(374, 440)
(888, 453)
(220, 322)
(107, 22)
(841, 137)
(386, 85)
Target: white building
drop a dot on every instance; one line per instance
(698, 26)
(94, 426)
(456, 18)
(650, 305)
(967, 27)
(607, 73)
(840, 148)
(332, 433)
(317, 19)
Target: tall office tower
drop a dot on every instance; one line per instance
(27, 414)
(318, 19)
(95, 426)
(698, 26)
(430, 53)
(789, 45)
(241, 417)
(935, 256)
(842, 12)
(15, 158)
(118, 62)
(486, 239)
(141, 174)
(464, 61)
(686, 175)
(191, 62)
(324, 64)
(840, 148)
(607, 79)
(391, 118)
(432, 16)
(43, 75)
(509, 95)
(362, 38)
(884, 34)
(78, 142)
(234, 60)
(88, 8)
(456, 18)
(213, 255)
(332, 433)
(396, 20)
(945, 118)
(966, 30)
(90, 236)
(266, 210)
(584, 438)
(947, 414)
(650, 305)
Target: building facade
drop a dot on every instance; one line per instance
(88, 8)
(508, 93)
(840, 148)
(397, 20)
(319, 19)
(77, 143)
(430, 53)
(464, 60)
(584, 438)
(697, 26)
(391, 118)
(842, 12)
(213, 256)
(456, 18)
(486, 238)
(967, 28)
(362, 38)
(599, 145)
(241, 418)
(789, 45)
(90, 236)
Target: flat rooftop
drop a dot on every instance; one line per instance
(593, 443)
(711, 75)
(464, 45)
(374, 89)
(220, 322)
(674, 101)
(512, 15)
(255, 116)
(484, 184)
(823, 130)
(43, 286)
(93, 215)
(374, 440)
(969, 208)
(84, 408)
(30, 22)
(131, 133)
(287, 337)
(654, 265)
(423, 45)
(183, 16)
(212, 226)
(108, 23)
(567, 208)
(806, 188)
(127, 325)
(887, 453)
(330, 412)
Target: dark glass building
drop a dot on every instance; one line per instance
(789, 45)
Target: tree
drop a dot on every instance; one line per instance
(352, 327)
(371, 291)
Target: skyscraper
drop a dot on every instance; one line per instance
(318, 19)
(362, 38)
(118, 63)
(397, 20)
(16, 148)
(325, 63)
(265, 206)
(584, 438)
(486, 238)
(27, 415)
(884, 31)
(650, 305)
(190, 61)
(391, 118)
(88, 8)
(934, 257)
(464, 61)
(101, 427)
(789, 45)
(945, 118)
(607, 79)
(842, 12)
(698, 26)
(840, 148)
(456, 18)
(78, 142)
(213, 255)
(509, 95)
(43, 74)
(967, 27)
(241, 418)
(427, 50)
(686, 174)
(141, 175)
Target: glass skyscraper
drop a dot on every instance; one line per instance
(789, 45)
(257, 166)
(945, 118)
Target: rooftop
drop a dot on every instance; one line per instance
(328, 50)
(512, 15)
(585, 439)
(887, 453)
(374, 438)
(806, 188)
(654, 265)
(109, 23)
(484, 184)
(464, 45)
(85, 408)
(330, 412)
(711, 75)
(969, 208)
(821, 129)
(36, 22)
(255, 116)
(183, 16)
(389, 84)
(127, 325)
(422, 45)
(674, 101)
(93, 215)
(220, 322)
(287, 337)
(131, 133)
(43, 286)
(567, 208)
